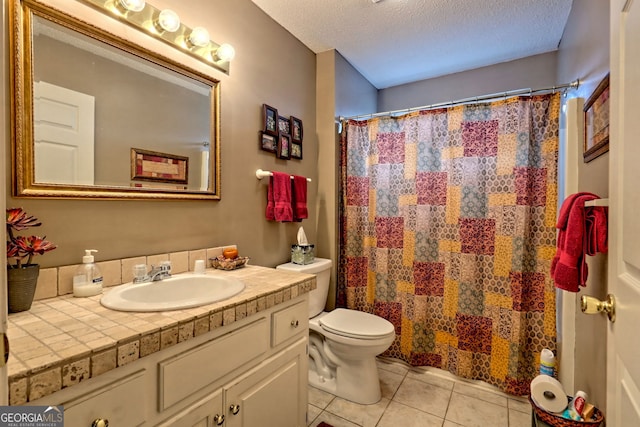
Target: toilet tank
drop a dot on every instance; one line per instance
(321, 267)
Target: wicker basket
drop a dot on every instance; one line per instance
(558, 421)
(222, 263)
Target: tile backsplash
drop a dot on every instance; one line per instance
(57, 281)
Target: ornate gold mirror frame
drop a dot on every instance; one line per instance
(191, 171)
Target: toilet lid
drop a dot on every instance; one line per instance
(356, 324)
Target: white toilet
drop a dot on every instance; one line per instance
(343, 344)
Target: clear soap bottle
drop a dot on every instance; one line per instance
(87, 280)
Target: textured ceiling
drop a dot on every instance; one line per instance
(394, 42)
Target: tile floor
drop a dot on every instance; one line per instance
(424, 397)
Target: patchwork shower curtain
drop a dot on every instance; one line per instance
(448, 231)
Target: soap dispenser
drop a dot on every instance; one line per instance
(87, 281)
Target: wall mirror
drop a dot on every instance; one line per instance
(95, 116)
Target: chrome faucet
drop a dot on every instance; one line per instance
(160, 272)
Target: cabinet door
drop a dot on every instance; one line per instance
(274, 394)
(205, 413)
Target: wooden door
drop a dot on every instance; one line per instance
(623, 354)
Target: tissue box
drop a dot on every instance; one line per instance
(302, 254)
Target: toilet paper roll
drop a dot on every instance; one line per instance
(548, 394)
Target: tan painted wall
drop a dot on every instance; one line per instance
(341, 91)
(272, 67)
(327, 166)
(538, 71)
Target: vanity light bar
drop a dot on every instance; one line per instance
(166, 26)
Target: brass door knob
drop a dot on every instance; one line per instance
(591, 305)
(218, 419)
(100, 422)
(234, 409)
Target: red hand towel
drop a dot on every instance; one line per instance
(569, 268)
(281, 196)
(596, 219)
(299, 190)
(271, 204)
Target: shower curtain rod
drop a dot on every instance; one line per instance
(573, 85)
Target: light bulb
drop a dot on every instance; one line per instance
(168, 20)
(199, 37)
(225, 53)
(131, 5)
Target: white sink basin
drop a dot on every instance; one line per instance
(175, 293)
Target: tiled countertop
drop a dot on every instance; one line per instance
(63, 341)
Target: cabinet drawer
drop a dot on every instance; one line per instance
(112, 402)
(289, 322)
(188, 372)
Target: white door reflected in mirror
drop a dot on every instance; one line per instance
(63, 135)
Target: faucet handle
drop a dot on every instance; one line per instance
(166, 266)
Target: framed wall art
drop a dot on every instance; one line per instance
(160, 167)
(268, 142)
(270, 117)
(296, 129)
(596, 122)
(283, 125)
(296, 150)
(284, 146)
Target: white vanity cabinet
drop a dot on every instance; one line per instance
(251, 373)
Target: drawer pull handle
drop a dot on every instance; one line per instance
(219, 419)
(99, 422)
(295, 323)
(234, 409)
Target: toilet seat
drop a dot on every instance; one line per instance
(356, 324)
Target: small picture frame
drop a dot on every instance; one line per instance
(283, 125)
(296, 150)
(296, 129)
(284, 146)
(270, 117)
(268, 142)
(596, 122)
(159, 167)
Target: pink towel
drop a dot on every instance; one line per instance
(299, 191)
(583, 231)
(280, 189)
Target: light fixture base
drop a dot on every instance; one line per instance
(146, 21)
